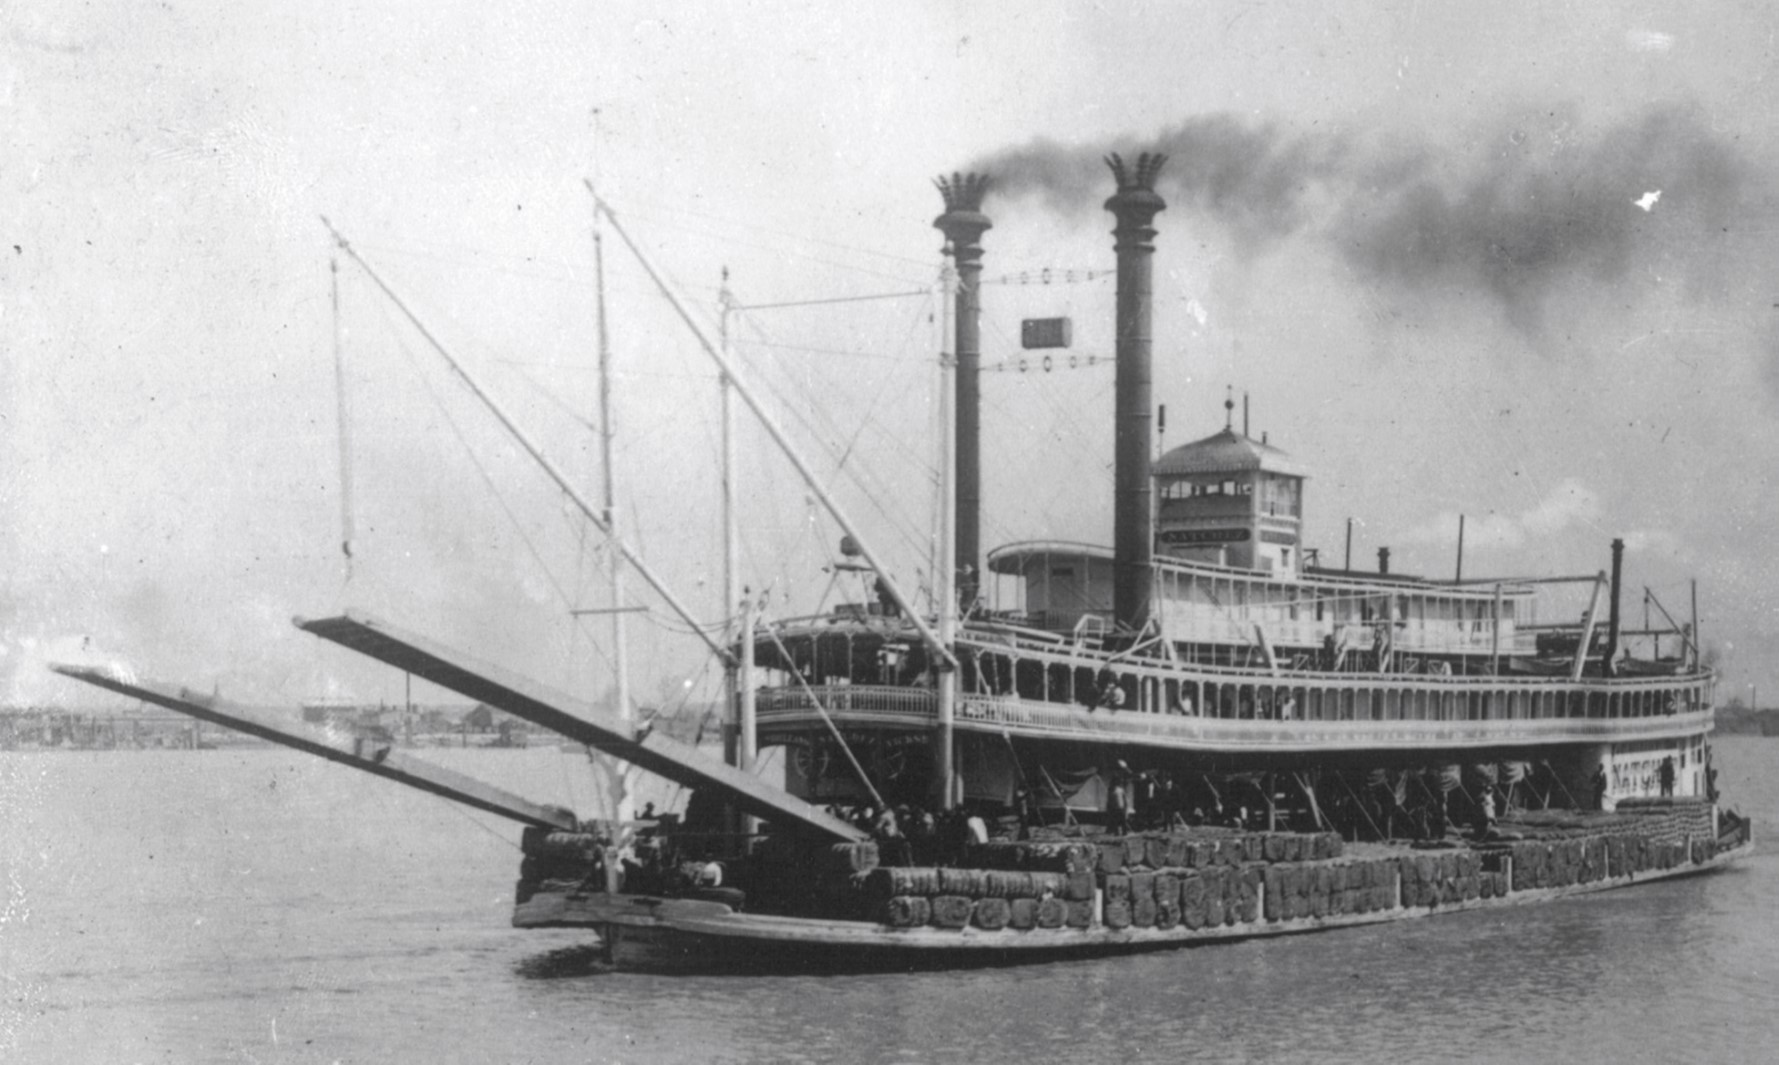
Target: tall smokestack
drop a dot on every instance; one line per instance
(963, 224)
(1618, 564)
(1135, 206)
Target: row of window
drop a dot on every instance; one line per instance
(1252, 600)
(1115, 690)
(1278, 495)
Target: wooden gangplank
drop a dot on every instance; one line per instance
(576, 719)
(287, 728)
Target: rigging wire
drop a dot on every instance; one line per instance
(550, 396)
(481, 470)
(779, 345)
(823, 435)
(567, 277)
(838, 265)
(800, 237)
(832, 299)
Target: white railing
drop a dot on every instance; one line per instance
(1496, 719)
(1021, 717)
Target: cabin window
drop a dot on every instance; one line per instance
(1056, 683)
(1084, 688)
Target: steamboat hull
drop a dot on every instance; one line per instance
(644, 933)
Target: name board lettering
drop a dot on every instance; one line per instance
(1203, 536)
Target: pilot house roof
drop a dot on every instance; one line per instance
(1226, 452)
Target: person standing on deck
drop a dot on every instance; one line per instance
(1667, 776)
(1118, 807)
(1599, 787)
(1485, 821)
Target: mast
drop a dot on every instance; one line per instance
(738, 678)
(748, 750)
(731, 528)
(622, 800)
(345, 416)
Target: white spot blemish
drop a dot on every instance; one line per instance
(1648, 199)
(1648, 41)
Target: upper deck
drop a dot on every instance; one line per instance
(1040, 686)
(1204, 603)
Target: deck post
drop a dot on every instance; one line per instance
(1495, 635)
(747, 741)
(1587, 629)
(945, 591)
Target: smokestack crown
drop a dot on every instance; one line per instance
(963, 222)
(1136, 194)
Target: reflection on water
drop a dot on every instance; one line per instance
(258, 906)
(564, 963)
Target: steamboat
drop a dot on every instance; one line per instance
(1198, 733)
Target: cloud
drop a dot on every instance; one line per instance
(1661, 542)
(1569, 504)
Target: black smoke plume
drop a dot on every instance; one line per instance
(1534, 205)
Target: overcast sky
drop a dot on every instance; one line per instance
(1510, 261)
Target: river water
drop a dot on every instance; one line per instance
(260, 906)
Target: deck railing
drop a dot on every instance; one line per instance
(1024, 717)
(1330, 711)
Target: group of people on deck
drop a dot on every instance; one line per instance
(913, 835)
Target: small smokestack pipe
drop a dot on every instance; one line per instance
(1245, 432)
(1618, 562)
(1135, 206)
(1459, 577)
(963, 224)
(1383, 560)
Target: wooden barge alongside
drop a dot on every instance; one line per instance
(1198, 734)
